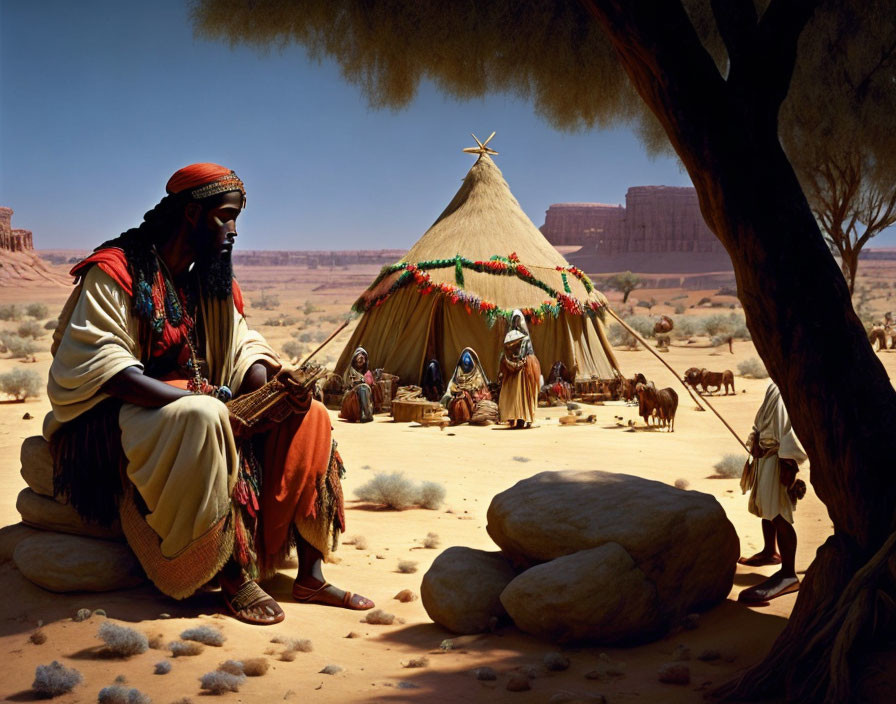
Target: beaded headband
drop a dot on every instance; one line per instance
(231, 182)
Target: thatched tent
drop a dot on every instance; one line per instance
(458, 285)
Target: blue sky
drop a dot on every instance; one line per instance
(102, 101)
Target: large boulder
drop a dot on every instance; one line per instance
(69, 563)
(45, 513)
(37, 465)
(461, 590)
(12, 535)
(681, 540)
(596, 595)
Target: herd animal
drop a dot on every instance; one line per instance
(660, 404)
(706, 379)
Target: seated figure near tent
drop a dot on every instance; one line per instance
(433, 383)
(467, 387)
(557, 391)
(520, 375)
(361, 390)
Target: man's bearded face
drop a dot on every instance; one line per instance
(213, 238)
(360, 361)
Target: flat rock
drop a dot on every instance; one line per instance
(681, 540)
(69, 563)
(10, 536)
(37, 465)
(597, 595)
(45, 513)
(461, 590)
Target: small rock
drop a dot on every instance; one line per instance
(485, 674)
(99, 612)
(82, 615)
(691, 621)
(518, 683)
(164, 615)
(577, 698)
(556, 662)
(674, 673)
(353, 634)
(331, 670)
(709, 655)
(408, 685)
(405, 595)
(530, 671)
(447, 644)
(681, 653)
(27, 416)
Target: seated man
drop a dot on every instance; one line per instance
(468, 386)
(556, 390)
(149, 346)
(363, 395)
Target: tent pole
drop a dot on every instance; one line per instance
(325, 342)
(677, 376)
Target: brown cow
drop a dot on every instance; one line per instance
(692, 377)
(717, 379)
(646, 401)
(666, 405)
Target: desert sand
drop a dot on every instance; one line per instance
(473, 464)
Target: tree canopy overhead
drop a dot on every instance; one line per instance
(711, 77)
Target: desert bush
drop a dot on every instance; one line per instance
(305, 337)
(292, 349)
(752, 368)
(642, 324)
(727, 291)
(620, 337)
(218, 682)
(121, 640)
(54, 679)
(10, 311)
(308, 307)
(116, 694)
(379, 617)
(288, 320)
(272, 322)
(704, 301)
(644, 304)
(205, 635)
(716, 324)
(38, 311)
(184, 648)
(234, 667)
(31, 328)
(51, 324)
(21, 384)
(162, 667)
(390, 490)
(17, 346)
(686, 326)
(266, 302)
(718, 340)
(398, 492)
(679, 308)
(730, 466)
(431, 541)
(255, 667)
(407, 566)
(432, 495)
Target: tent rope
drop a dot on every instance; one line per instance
(677, 376)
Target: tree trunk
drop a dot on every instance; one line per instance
(850, 266)
(625, 295)
(798, 309)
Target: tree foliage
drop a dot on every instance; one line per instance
(626, 282)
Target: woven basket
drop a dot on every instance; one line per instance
(412, 410)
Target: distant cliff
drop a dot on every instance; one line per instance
(314, 259)
(13, 240)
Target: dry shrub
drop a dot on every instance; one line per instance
(288, 655)
(30, 328)
(417, 662)
(431, 541)
(378, 617)
(163, 667)
(21, 384)
(205, 635)
(730, 466)
(220, 682)
(255, 667)
(234, 667)
(37, 310)
(185, 648)
(432, 495)
(121, 640)
(405, 595)
(38, 637)
(390, 490)
(10, 311)
(116, 694)
(359, 541)
(331, 670)
(298, 645)
(18, 347)
(54, 679)
(407, 566)
(156, 641)
(752, 368)
(682, 483)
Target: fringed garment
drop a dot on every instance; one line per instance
(188, 497)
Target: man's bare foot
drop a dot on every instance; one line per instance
(761, 559)
(313, 591)
(250, 603)
(777, 585)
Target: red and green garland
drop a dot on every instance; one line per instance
(503, 266)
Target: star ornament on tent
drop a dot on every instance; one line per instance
(482, 147)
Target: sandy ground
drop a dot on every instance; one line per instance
(473, 464)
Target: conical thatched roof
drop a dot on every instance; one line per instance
(483, 221)
(458, 285)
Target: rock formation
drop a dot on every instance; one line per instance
(602, 558)
(660, 229)
(13, 240)
(19, 263)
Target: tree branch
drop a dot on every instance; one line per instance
(737, 23)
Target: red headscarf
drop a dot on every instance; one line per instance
(204, 180)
